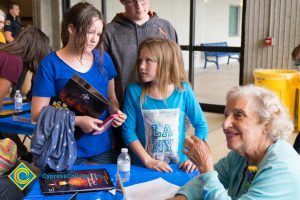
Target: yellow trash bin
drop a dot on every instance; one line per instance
(282, 81)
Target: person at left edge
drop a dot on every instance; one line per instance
(12, 22)
(16, 59)
(82, 54)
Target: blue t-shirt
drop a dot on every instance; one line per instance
(160, 124)
(52, 76)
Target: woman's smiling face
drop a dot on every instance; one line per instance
(242, 126)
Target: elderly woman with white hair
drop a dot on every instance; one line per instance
(2, 20)
(261, 165)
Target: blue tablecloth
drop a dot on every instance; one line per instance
(137, 175)
(7, 125)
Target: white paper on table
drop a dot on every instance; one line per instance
(112, 191)
(158, 189)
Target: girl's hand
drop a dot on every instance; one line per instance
(118, 121)
(88, 124)
(188, 166)
(158, 165)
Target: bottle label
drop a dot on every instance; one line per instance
(18, 103)
(125, 176)
(123, 166)
(18, 100)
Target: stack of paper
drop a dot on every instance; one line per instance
(158, 189)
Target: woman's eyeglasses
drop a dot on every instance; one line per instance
(134, 2)
(297, 65)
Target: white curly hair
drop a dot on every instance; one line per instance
(268, 107)
(2, 14)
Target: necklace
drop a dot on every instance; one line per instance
(84, 59)
(75, 61)
(82, 64)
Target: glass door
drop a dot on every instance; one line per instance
(210, 34)
(218, 36)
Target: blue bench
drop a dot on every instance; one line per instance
(207, 54)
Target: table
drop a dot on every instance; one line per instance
(137, 175)
(7, 125)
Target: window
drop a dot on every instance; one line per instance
(233, 21)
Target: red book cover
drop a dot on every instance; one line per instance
(106, 124)
(75, 181)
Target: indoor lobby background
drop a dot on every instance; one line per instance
(243, 24)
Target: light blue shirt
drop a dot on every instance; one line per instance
(160, 124)
(277, 178)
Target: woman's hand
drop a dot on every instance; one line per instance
(118, 121)
(199, 153)
(178, 197)
(188, 166)
(158, 165)
(88, 124)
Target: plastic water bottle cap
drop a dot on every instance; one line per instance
(124, 150)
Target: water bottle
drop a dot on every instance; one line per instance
(124, 165)
(18, 101)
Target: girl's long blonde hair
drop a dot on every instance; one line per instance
(170, 65)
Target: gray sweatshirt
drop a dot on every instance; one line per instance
(121, 40)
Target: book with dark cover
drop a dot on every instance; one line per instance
(75, 181)
(82, 98)
(10, 101)
(10, 112)
(23, 119)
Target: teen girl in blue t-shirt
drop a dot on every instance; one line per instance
(81, 54)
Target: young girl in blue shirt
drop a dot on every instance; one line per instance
(156, 108)
(82, 54)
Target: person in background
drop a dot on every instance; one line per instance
(156, 107)
(122, 38)
(2, 20)
(82, 54)
(16, 58)
(296, 60)
(262, 164)
(12, 26)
